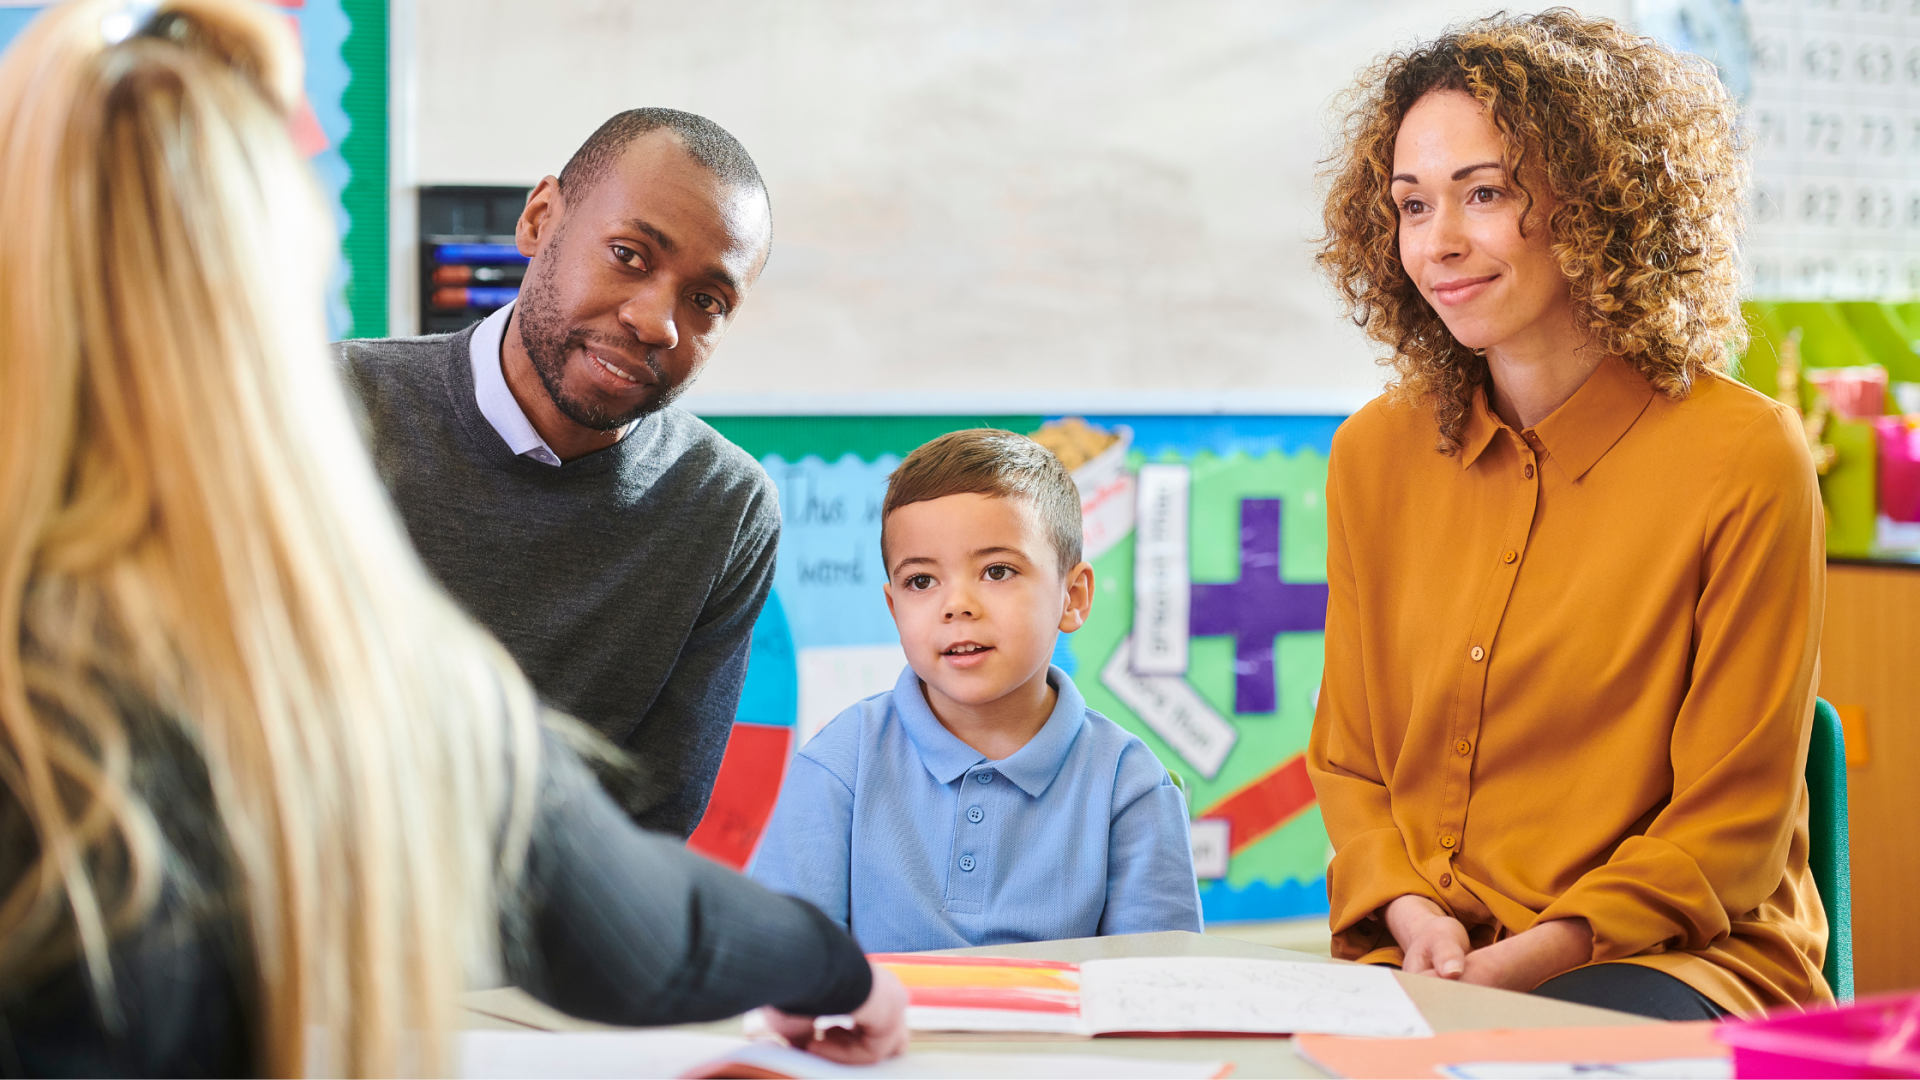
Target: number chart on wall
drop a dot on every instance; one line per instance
(1207, 535)
(1834, 119)
(343, 131)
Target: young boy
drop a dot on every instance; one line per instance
(980, 801)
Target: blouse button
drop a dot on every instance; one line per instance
(966, 863)
(1478, 654)
(975, 814)
(1446, 841)
(1529, 472)
(1446, 881)
(1463, 746)
(1507, 557)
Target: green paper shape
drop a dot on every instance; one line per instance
(1297, 850)
(1849, 489)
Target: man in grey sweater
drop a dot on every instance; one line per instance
(617, 545)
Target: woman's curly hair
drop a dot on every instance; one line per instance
(1638, 146)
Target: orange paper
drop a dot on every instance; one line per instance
(1363, 1058)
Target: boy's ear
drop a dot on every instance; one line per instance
(1079, 598)
(886, 590)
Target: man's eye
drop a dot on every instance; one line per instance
(1000, 572)
(709, 303)
(626, 254)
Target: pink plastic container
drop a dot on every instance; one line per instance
(1856, 393)
(1874, 1037)
(1899, 438)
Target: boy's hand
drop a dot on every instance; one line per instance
(879, 1026)
(1434, 942)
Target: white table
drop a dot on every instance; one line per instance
(1448, 1006)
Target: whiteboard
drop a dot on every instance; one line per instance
(980, 197)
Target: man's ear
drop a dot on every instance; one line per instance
(1079, 598)
(538, 217)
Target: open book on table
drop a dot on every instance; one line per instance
(1152, 996)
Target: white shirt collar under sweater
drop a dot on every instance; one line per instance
(495, 398)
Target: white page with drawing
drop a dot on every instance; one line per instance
(1198, 993)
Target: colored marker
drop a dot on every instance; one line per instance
(462, 274)
(478, 253)
(474, 298)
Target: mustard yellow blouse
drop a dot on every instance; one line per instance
(1570, 672)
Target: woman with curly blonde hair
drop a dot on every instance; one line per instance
(1576, 571)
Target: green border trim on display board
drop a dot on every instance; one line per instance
(365, 150)
(865, 437)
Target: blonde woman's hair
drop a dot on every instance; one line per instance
(190, 522)
(1637, 146)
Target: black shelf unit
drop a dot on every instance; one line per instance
(469, 267)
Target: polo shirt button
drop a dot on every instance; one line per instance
(974, 814)
(1478, 653)
(1446, 842)
(985, 777)
(966, 863)
(1529, 472)
(1446, 881)
(1507, 557)
(1463, 746)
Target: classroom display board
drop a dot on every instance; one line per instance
(1207, 536)
(344, 132)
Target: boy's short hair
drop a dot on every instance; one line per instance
(996, 463)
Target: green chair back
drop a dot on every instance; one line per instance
(1827, 847)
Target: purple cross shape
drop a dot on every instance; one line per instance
(1257, 607)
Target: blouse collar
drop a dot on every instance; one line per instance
(1580, 432)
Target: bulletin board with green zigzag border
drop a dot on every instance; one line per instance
(1255, 541)
(343, 129)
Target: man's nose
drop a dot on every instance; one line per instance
(649, 313)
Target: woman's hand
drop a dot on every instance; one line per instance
(1434, 942)
(879, 1028)
(1528, 959)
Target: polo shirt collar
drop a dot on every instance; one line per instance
(1581, 431)
(1031, 768)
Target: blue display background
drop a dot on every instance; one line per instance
(323, 29)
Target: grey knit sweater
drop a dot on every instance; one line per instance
(625, 583)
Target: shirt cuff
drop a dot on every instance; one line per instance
(1368, 873)
(1650, 896)
(847, 980)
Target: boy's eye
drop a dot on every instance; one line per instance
(1000, 572)
(918, 582)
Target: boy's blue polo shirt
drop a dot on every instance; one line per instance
(913, 840)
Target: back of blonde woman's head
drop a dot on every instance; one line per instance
(1637, 147)
(187, 518)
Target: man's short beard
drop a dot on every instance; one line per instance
(548, 341)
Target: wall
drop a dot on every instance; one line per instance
(988, 197)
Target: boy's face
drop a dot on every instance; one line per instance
(975, 588)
